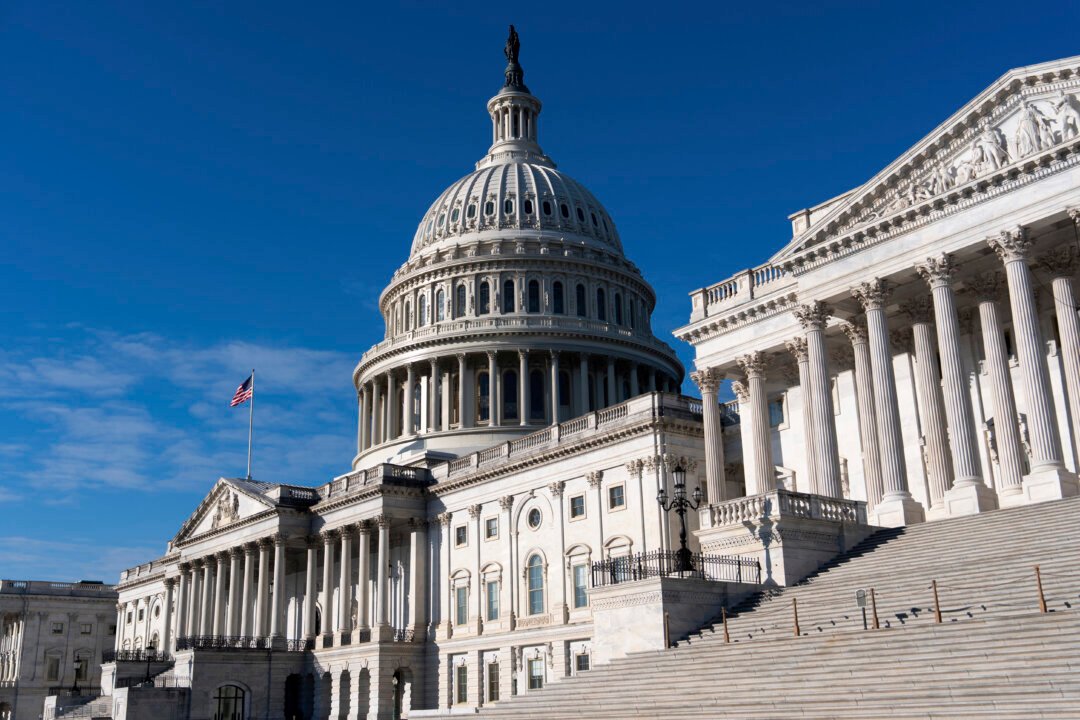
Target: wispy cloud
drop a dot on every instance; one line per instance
(29, 558)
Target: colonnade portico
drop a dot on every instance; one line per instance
(923, 300)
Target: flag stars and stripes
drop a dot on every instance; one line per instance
(243, 393)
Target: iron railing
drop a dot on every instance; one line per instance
(87, 690)
(241, 642)
(158, 682)
(662, 563)
(108, 656)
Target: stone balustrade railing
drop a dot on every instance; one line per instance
(45, 587)
(358, 479)
(785, 503)
(744, 286)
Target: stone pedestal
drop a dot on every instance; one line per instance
(969, 499)
(792, 534)
(897, 512)
(1050, 482)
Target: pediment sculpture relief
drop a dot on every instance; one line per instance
(228, 509)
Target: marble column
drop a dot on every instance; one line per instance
(219, 594)
(523, 385)
(864, 391)
(408, 409)
(418, 576)
(359, 421)
(1061, 266)
(383, 590)
(612, 390)
(939, 468)
(797, 347)
(753, 365)
(166, 627)
(345, 584)
(1048, 478)
(246, 628)
(494, 406)
(207, 600)
(445, 629)
(328, 537)
(393, 408)
(583, 384)
(192, 624)
(311, 569)
(446, 399)
(232, 618)
(1006, 446)
(969, 494)
(262, 608)
(182, 604)
(746, 438)
(277, 602)
(708, 382)
(555, 387)
(375, 434)
(463, 413)
(813, 316)
(365, 418)
(635, 388)
(363, 575)
(433, 398)
(897, 507)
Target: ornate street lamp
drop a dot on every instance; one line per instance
(683, 557)
(75, 684)
(150, 650)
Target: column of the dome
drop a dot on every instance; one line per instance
(634, 389)
(365, 418)
(583, 384)
(465, 418)
(652, 379)
(447, 399)
(433, 398)
(408, 406)
(494, 399)
(393, 408)
(523, 397)
(554, 387)
(612, 398)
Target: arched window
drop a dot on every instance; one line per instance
(470, 212)
(534, 296)
(422, 305)
(510, 395)
(483, 397)
(618, 308)
(579, 298)
(485, 299)
(564, 210)
(459, 301)
(508, 296)
(440, 306)
(558, 302)
(535, 570)
(416, 404)
(408, 316)
(229, 700)
(564, 391)
(527, 206)
(547, 207)
(508, 206)
(536, 395)
(601, 304)
(632, 313)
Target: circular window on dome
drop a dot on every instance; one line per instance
(527, 207)
(489, 208)
(508, 206)
(547, 207)
(580, 215)
(457, 213)
(534, 518)
(471, 211)
(564, 210)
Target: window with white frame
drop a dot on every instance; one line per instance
(581, 662)
(536, 673)
(534, 571)
(616, 497)
(491, 528)
(461, 684)
(581, 585)
(577, 507)
(493, 682)
(491, 589)
(461, 535)
(461, 605)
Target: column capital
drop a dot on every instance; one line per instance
(222, 557)
(1010, 245)
(742, 393)
(1074, 214)
(197, 564)
(855, 331)
(346, 531)
(418, 523)
(634, 467)
(920, 309)
(797, 347)
(554, 354)
(872, 295)
(707, 379)
(506, 502)
(812, 315)
(328, 536)
(444, 518)
(236, 551)
(249, 548)
(461, 357)
(753, 364)
(363, 527)
(522, 353)
(184, 567)
(490, 355)
(383, 521)
(937, 271)
(1060, 262)
(312, 541)
(556, 488)
(170, 582)
(595, 477)
(474, 511)
(986, 286)
(279, 538)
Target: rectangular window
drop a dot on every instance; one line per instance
(129, 617)
(52, 668)
(493, 682)
(112, 630)
(461, 535)
(493, 600)
(616, 497)
(491, 528)
(536, 674)
(142, 614)
(86, 628)
(58, 628)
(776, 412)
(461, 680)
(581, 586)
(461, 597)
(577, 506)
(581, 662)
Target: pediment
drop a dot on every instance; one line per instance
(1021, 121)
(228, 502)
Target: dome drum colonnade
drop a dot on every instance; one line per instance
(516, 273)
(939, 304)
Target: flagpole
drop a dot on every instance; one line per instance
(251, 420)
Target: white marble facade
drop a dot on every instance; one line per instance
(913, 347)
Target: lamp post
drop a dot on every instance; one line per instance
(150, 650)
(75, 683)
(680, 504)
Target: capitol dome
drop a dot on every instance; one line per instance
(516, 273)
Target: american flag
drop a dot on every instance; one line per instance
(243, 393)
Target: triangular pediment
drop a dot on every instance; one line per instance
(228, 502)
(1018, 123)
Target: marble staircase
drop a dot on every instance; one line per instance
(994, 655)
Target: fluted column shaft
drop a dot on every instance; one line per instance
(383, 592)
(433, 398)
(393, 408)
(192, 624)
(554, 387)
(1012, 248)
(245, 606)
(345, 585)
(418, 575)
(232, 618)
(1061, 265)
(363, 577)
(328, 584)
(206, 601)
(262, 608)
(1010, 451)
(797, 347)
(864, 390)
(708, 381)
(365, 418)
(219, 595)
(583, 384)
(311, 567)
(823, 431)
(277, 601)
(166, 636)
(493, 390)
(522, 388)
(463, 413)
(612, 395)
(181, 607)
(408, 406)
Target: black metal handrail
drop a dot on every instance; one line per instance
(88, 690)
(158, 682)
(241, 642)
(108, 656)
(662, 563)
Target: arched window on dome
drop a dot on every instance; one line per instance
(508, 206)
(456, 213)
(509, 395)
(508, 296)
(534, 296)
(489, 208)
(484, 295)
(546, 207)
(564, 209)
(527, 206)
(534, 573)
(601, 304)
(565, 385)
(618, 308)
(483, 398)
(582, 310)
(580, 215)
(459, 301)
(440, 305)
(421, 305)
(558, 301)
(416, 405)
(470, 212)
(408, 316)
(633, 312)
(537, 409)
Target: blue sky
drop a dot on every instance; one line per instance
(191, 190)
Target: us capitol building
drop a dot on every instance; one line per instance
(911, 354)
